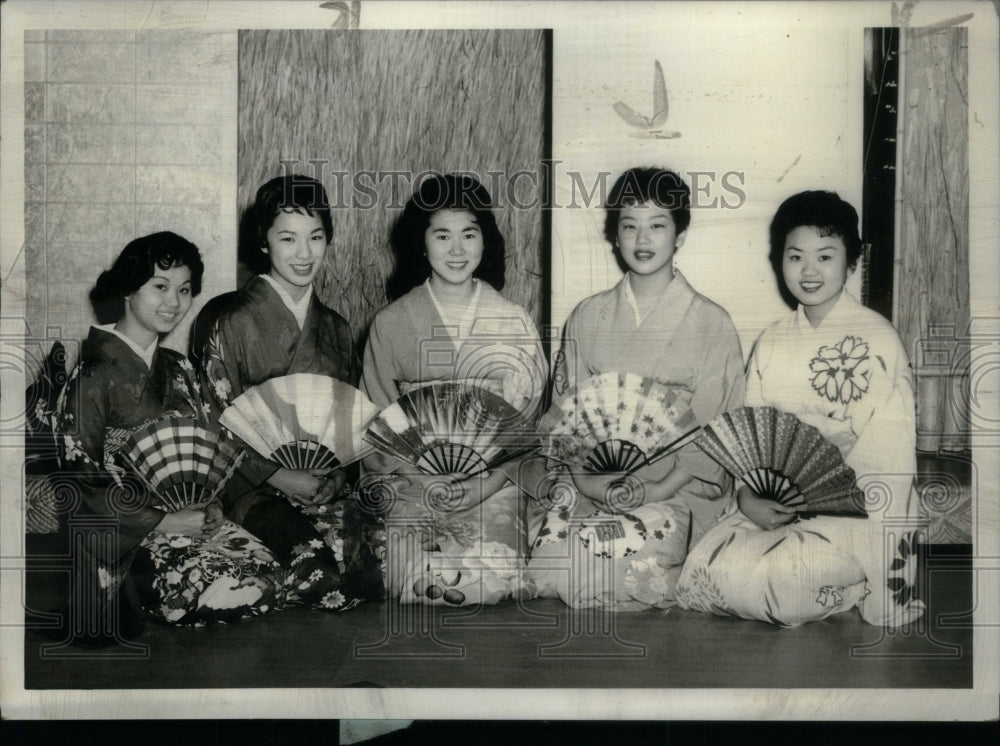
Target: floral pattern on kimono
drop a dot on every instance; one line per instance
(689, 344)
(187, 580)
(255, 338)
(108, 395)
(477, 555)
(615, 562)
(851, 379)
(685, 342)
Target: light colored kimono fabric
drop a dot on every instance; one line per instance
(688, 343)
(850, 378)
(475, 555)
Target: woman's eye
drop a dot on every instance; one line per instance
(186, 291)
(628, 227)
(160, 286)
(793, 258)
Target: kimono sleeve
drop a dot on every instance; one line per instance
(719, 388)
(754, 396)
(531, 379)
(378, 369)
(82, 415)
(884, 419)
(222, 382)
(567, 359)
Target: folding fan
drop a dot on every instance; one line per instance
(452, 428)
(181, 461)
(302, 421)
(616, 422)
(782, 459)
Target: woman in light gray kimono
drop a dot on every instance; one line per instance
(841, 368)
(653, 324)
(452, 324)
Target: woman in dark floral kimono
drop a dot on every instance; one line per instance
(275, 326)
(185, 567)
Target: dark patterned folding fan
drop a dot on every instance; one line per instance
(783, 459)
(616, 422)
(302, 421)
(452, 428)
(181, 461)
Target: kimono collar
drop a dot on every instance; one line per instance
(841, 312)
(447, 310)
(145, 355)
(678, 288)
(299, 309)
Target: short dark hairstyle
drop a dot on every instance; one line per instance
(294, 192)
(823, 210)
(136, 264)
(436, 193)
(635, 186)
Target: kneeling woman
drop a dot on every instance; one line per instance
(452, 324)
(188, 566)
(652, 324)
(276, 325)
(841, 368)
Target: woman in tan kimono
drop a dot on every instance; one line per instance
(452, 324)
(653, 324)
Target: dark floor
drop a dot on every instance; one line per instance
(541, 644)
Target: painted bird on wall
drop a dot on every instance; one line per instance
(652, 126)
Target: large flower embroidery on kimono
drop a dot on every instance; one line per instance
(840, 373)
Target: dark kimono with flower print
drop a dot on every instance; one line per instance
(109, 394)
(256, 338)
(850, 378)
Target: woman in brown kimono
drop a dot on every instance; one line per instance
(275, 325)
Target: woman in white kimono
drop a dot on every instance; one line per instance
(841, 368)
(452, 324)
(653, 324)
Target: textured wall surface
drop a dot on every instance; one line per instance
(933, 189)
(932, 278)
(403, 101)
(125, 134)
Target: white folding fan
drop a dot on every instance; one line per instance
(616, 422)
(452, 428)
(302, 421)
(181, 461)
(783, 459)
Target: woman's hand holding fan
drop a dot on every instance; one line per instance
(766, 514)
(783, 460)
(611, 426)
(311, 425)
(184, 466)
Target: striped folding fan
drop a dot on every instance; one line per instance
(452, 428)
(303, 421)
(616, 422)
(783, 459)
(181, 461)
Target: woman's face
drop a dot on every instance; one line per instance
(158, 306)
(296, 243)
(647, 238)
(454, 246)
(815, 269)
